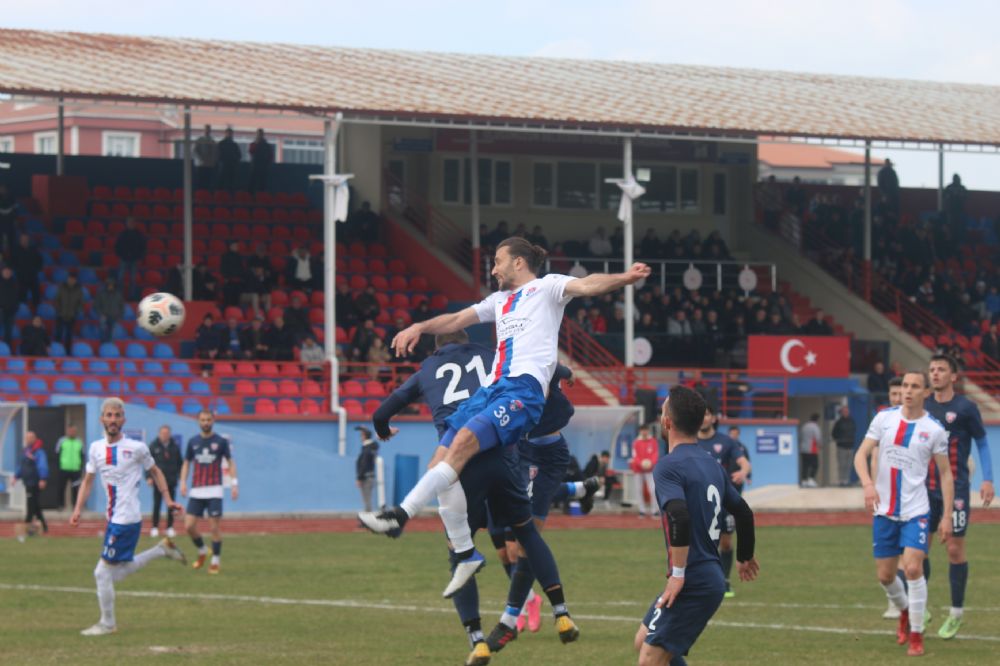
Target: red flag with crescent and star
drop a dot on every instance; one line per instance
(799, 356)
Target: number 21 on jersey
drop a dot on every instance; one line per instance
(454, 370)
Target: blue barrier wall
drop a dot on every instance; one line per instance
(773, 450)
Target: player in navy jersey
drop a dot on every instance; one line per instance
(728, 453)
(444, 381)
(692, 489)
(734, 434)
(961, 418)
(204, 455)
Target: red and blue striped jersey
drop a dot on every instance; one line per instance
(205, 455)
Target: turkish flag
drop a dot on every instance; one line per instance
(799, 356)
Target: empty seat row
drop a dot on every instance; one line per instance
(222, 197)
(289, 407)
(354, 388)
(203, 213)
(101, 385)
(286, 387)
(72, 366)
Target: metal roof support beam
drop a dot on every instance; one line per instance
(188, 211)
(628, 250)
(61, 140)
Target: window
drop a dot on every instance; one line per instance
(495, 181)
(671, 189)
(302, 151)
(689, 190)
(719, 194)
(611, 194)
(45, 143)
(576, 185)
(544, 185)
(6, 144)
(120, 144)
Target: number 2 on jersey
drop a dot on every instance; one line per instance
(451, 394)
(716, 499)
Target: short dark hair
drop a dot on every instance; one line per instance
(947, 358)
(922, 373)
(687, 409)
(606, 454)
(455, 337)
(895, 381)
(534, 255)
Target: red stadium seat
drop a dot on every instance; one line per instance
(75, 227)
(383, 318)
(268, 369)
(356, 265)
(371, 406)
(263, 199)
(217, 245)
(382, 298)
(220, 231)
(267, 387)
(404, 315)
(288, 387)
(352, 389)
(98, 209)
(377, 266)
(260, 232)
(261, 215)
(142, 210)
(162, 212)
(342, 338)
(241, 231)
(354, 408)
(233, 312)
(123, 193)
(399, 301)
(101, 192)
(358, 249)
(317, 298)
(223, 370)
(309, 408)
(279, 298)
(280, 216)
(95, 228)
(241, 214)
(317, 316)
(374, 389)
(418, 283)
(417, 299)
(222, 198)
(93, 244)
(156, 245)
(243, 198)
(287, 407)
(379, 282)
(246, 369)
(264, 407)
(158, 229)
(120, 210)
(358, 282)
(162, 194)
(245, 387)
(303, 298)
(278, 247)
(377, 250)
(311, 387)
(397, 267)
(398, 283)
(439, 302)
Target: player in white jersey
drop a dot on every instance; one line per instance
(907, 438)
(527, 311)
(122, 464)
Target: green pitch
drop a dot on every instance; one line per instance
(359, 599)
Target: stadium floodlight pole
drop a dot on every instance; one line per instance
(188, 210)
(631, 190)
(61, 139)
(867, 242)
(334, 208)
(474, 175)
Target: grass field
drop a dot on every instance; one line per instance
(361, 599)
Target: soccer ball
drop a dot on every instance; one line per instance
(161, 313)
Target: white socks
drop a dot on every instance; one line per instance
(433, 483)
(896, 593)
(105, 593)
(918, 602)
(454, 513)
(955, 612)
(578, 490)
(120, 571)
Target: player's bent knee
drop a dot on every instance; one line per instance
(651, 655)
(640, 636)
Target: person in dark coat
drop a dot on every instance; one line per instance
(167, 456)
(279, 340)
(33, 471)
(230, 156)
(130, 247)
(27, 262)
(261, 158)
(8, 303)
(35, 339)
(365, 466)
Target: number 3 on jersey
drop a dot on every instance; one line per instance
(452, 394)
(715, 499)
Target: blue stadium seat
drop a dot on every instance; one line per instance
(119, 332)
(36, 385)
(46, 311)
(23, 312)
(17, 366)
(153, 368)
(50, 291)
(4, 349)
(57, 349)
(68, 258)
(180, 369)
(87, 276)
(166, 406)
(34, 226)
(198, 387)
(129, 313)
(135, 350)
(222, 407)
(130, 368)
(118, 386)
(59, 275)
(142, 334)
(108, 350)
(71, 366)
(50, 242)
(46, 258)
(162, 350)
(64, 385)
(145, 386)
(9, 385)
(100, 368)
(44, 366)
(92, 386)
(82, 349)
(191, 406)
(90, 331)
(173, 386)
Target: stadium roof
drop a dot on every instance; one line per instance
(370, 84)
(805, 156)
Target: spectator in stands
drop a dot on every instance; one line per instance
(130, 247)
(27, 262)
(367, 307)
(758, 324)
(302, 271)
(499, 234)
(206, 152)
(844, 433)
(796, 198)
(617, 240)
(204, 284)
(398, 324)
(207, 342)
(817, 325)
(777, 325)
(616, 324)
(364, 466)
(253, 340)
(557, 259)
(347, 314)
(233, 274)
(678, 325)
(68, 306)
(230, 339)
(990, 345)
(599, 245)
(230, 157)
(109, 305)
(297, 319)
(954, 207)
(378, 359)
(261, 158)
(313, 357)
(878, 382)
(257, 290)
(646, 325)
(362, 341)
(8, 221)
(810, 445)
(888, 187)
(769, 200)
(606, 474)
(536, 237)
(715, 247)
(279, 340)
(8, 303)
(35, 339)
(649, 247)
(263, 259)
(598, 324)
(362, 224)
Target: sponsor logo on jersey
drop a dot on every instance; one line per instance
(516, 405)
(718, 448)
(111, 540)
(532, 472)
(960, 504)
(950, 417)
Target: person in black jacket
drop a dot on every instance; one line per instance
(33, 471)
(35, 339)
(233, 273)
(844, 434)
(365, 466)
(279, 340)
(8, 303)
(167, 456)
(26, 260)
(230, 156)
(130, 247)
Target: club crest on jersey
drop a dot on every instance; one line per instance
(111, 540)
(532, 472)
(126, 454)
(530, 291)
(923, 523)
(718, 448)
(516, 405)
(959, 504)
(950, 417)
(923, 436)
(215, 446)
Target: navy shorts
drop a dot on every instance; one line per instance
(890, 537)
(960, 515)
(200, 507)
(120, 542)
(675, 629)
(499, 414)
(544, 470)
(494, 489)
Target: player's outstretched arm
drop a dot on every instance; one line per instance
(596, 284)
(746, 535)
(81, 498)
(396, 402)
(861, 467)
(679, 536)
(234, 487)
(947, 492)
(184, 476)
(404, 341)
(156, 474)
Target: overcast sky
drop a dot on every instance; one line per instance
(916, 39)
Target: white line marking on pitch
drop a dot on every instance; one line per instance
(352, 603)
